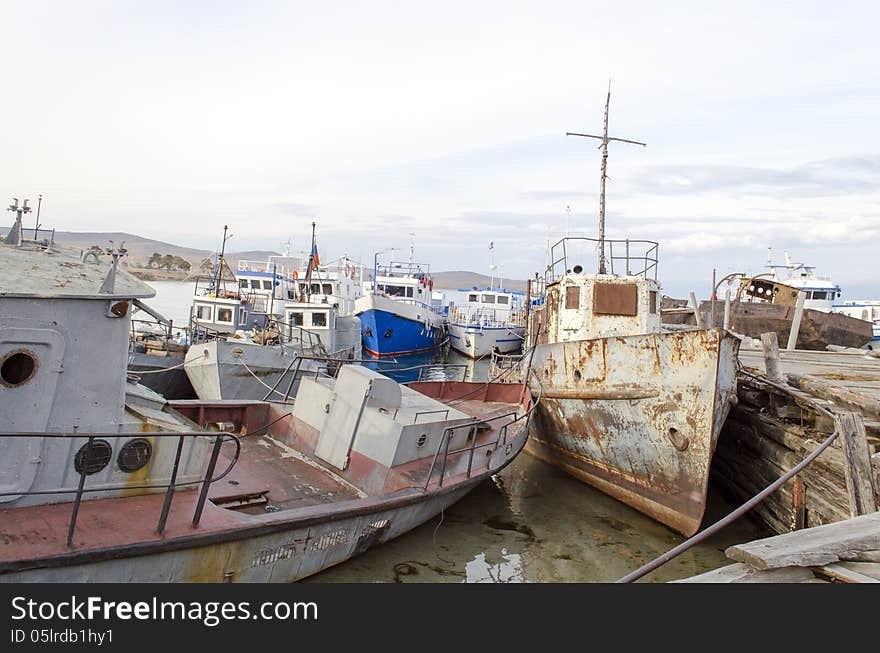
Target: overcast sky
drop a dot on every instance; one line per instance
(448, 119)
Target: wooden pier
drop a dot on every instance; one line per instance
(779, 420)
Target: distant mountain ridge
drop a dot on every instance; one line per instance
(140, 249)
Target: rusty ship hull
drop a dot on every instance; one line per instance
(637, 417)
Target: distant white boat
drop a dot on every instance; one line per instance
(491, 319)
(820, 289)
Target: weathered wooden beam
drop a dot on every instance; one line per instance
(796, 321)
(836, 393)
(740, 573)
(858, 471)
(811, 547)
(770, 344)
(842, 573)
(697, 315)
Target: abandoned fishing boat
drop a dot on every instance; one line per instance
(628, 407)
(397, 314)
(490, 320)
(768, 302)
(103, 480)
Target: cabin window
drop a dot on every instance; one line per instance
(328, 289)
(573, 297)
(652, 301)
(488, 299)
(473, 298)
(203, 312)
(615, 299)
(242, 283)
(819, 294)
(296, 319)
(409, 291)
(224, 315)
(267, 285)
(503, 299)
(242, 316)
(319, 319)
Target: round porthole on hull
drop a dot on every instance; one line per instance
(134, 454)
(17, 368)
(92, 457)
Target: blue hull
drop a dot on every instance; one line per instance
(386, 334)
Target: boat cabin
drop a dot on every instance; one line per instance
(67, 409)
(403, 281)
(575, 305)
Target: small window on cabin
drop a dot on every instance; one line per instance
(573, 297)
(242, 283)
(242, 316)
(819, 294)
(488, 299)
(503, 299)
(652, 301)
(315, 288)
(328, 288)
(296, 319)
(409, 291)
(319, 319)
(473, 298)
(267, 284)
(224, 315)
(203, 312)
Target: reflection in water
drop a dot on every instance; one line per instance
(507, 570)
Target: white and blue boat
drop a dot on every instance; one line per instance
(489, 320)
(397, 315)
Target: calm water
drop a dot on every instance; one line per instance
(531, 523)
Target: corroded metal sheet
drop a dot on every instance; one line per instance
(638, 416)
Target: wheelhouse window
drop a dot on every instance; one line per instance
(573, 297)
(242, 316)
(488, 299)
(319, 319)
(242, 283)
(295, 318)
(224, 315)
(473, 297)
(328, 288)
(503, 299)
(204, 312)
(409, 291)
(267, 284)
(652, 301)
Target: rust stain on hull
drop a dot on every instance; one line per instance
(651, 450)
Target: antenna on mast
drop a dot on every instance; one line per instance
(605, 140)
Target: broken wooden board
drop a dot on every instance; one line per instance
(812, 547)
(742, 573)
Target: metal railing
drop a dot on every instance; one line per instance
(638, 259)
(169, 487)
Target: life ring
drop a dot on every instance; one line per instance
(295, 274)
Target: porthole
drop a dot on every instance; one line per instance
(134, 454)
(18, 367)
(92, 457)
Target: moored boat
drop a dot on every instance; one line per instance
(489, 320)
(103, 480)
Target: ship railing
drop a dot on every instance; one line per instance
(633, 258)
(445, 442)
(170, 487)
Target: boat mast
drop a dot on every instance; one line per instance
(605, 140)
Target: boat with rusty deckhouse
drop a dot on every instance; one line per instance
(101, 479)
(627, 406)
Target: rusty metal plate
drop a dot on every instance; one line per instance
(615, 299)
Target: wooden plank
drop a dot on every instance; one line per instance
(813, 546)
(770, 343)
(863, 556)
(843, 574)
(696, 308)
(796, 320)
(858, 471)
(740, 573)
(836, 393)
